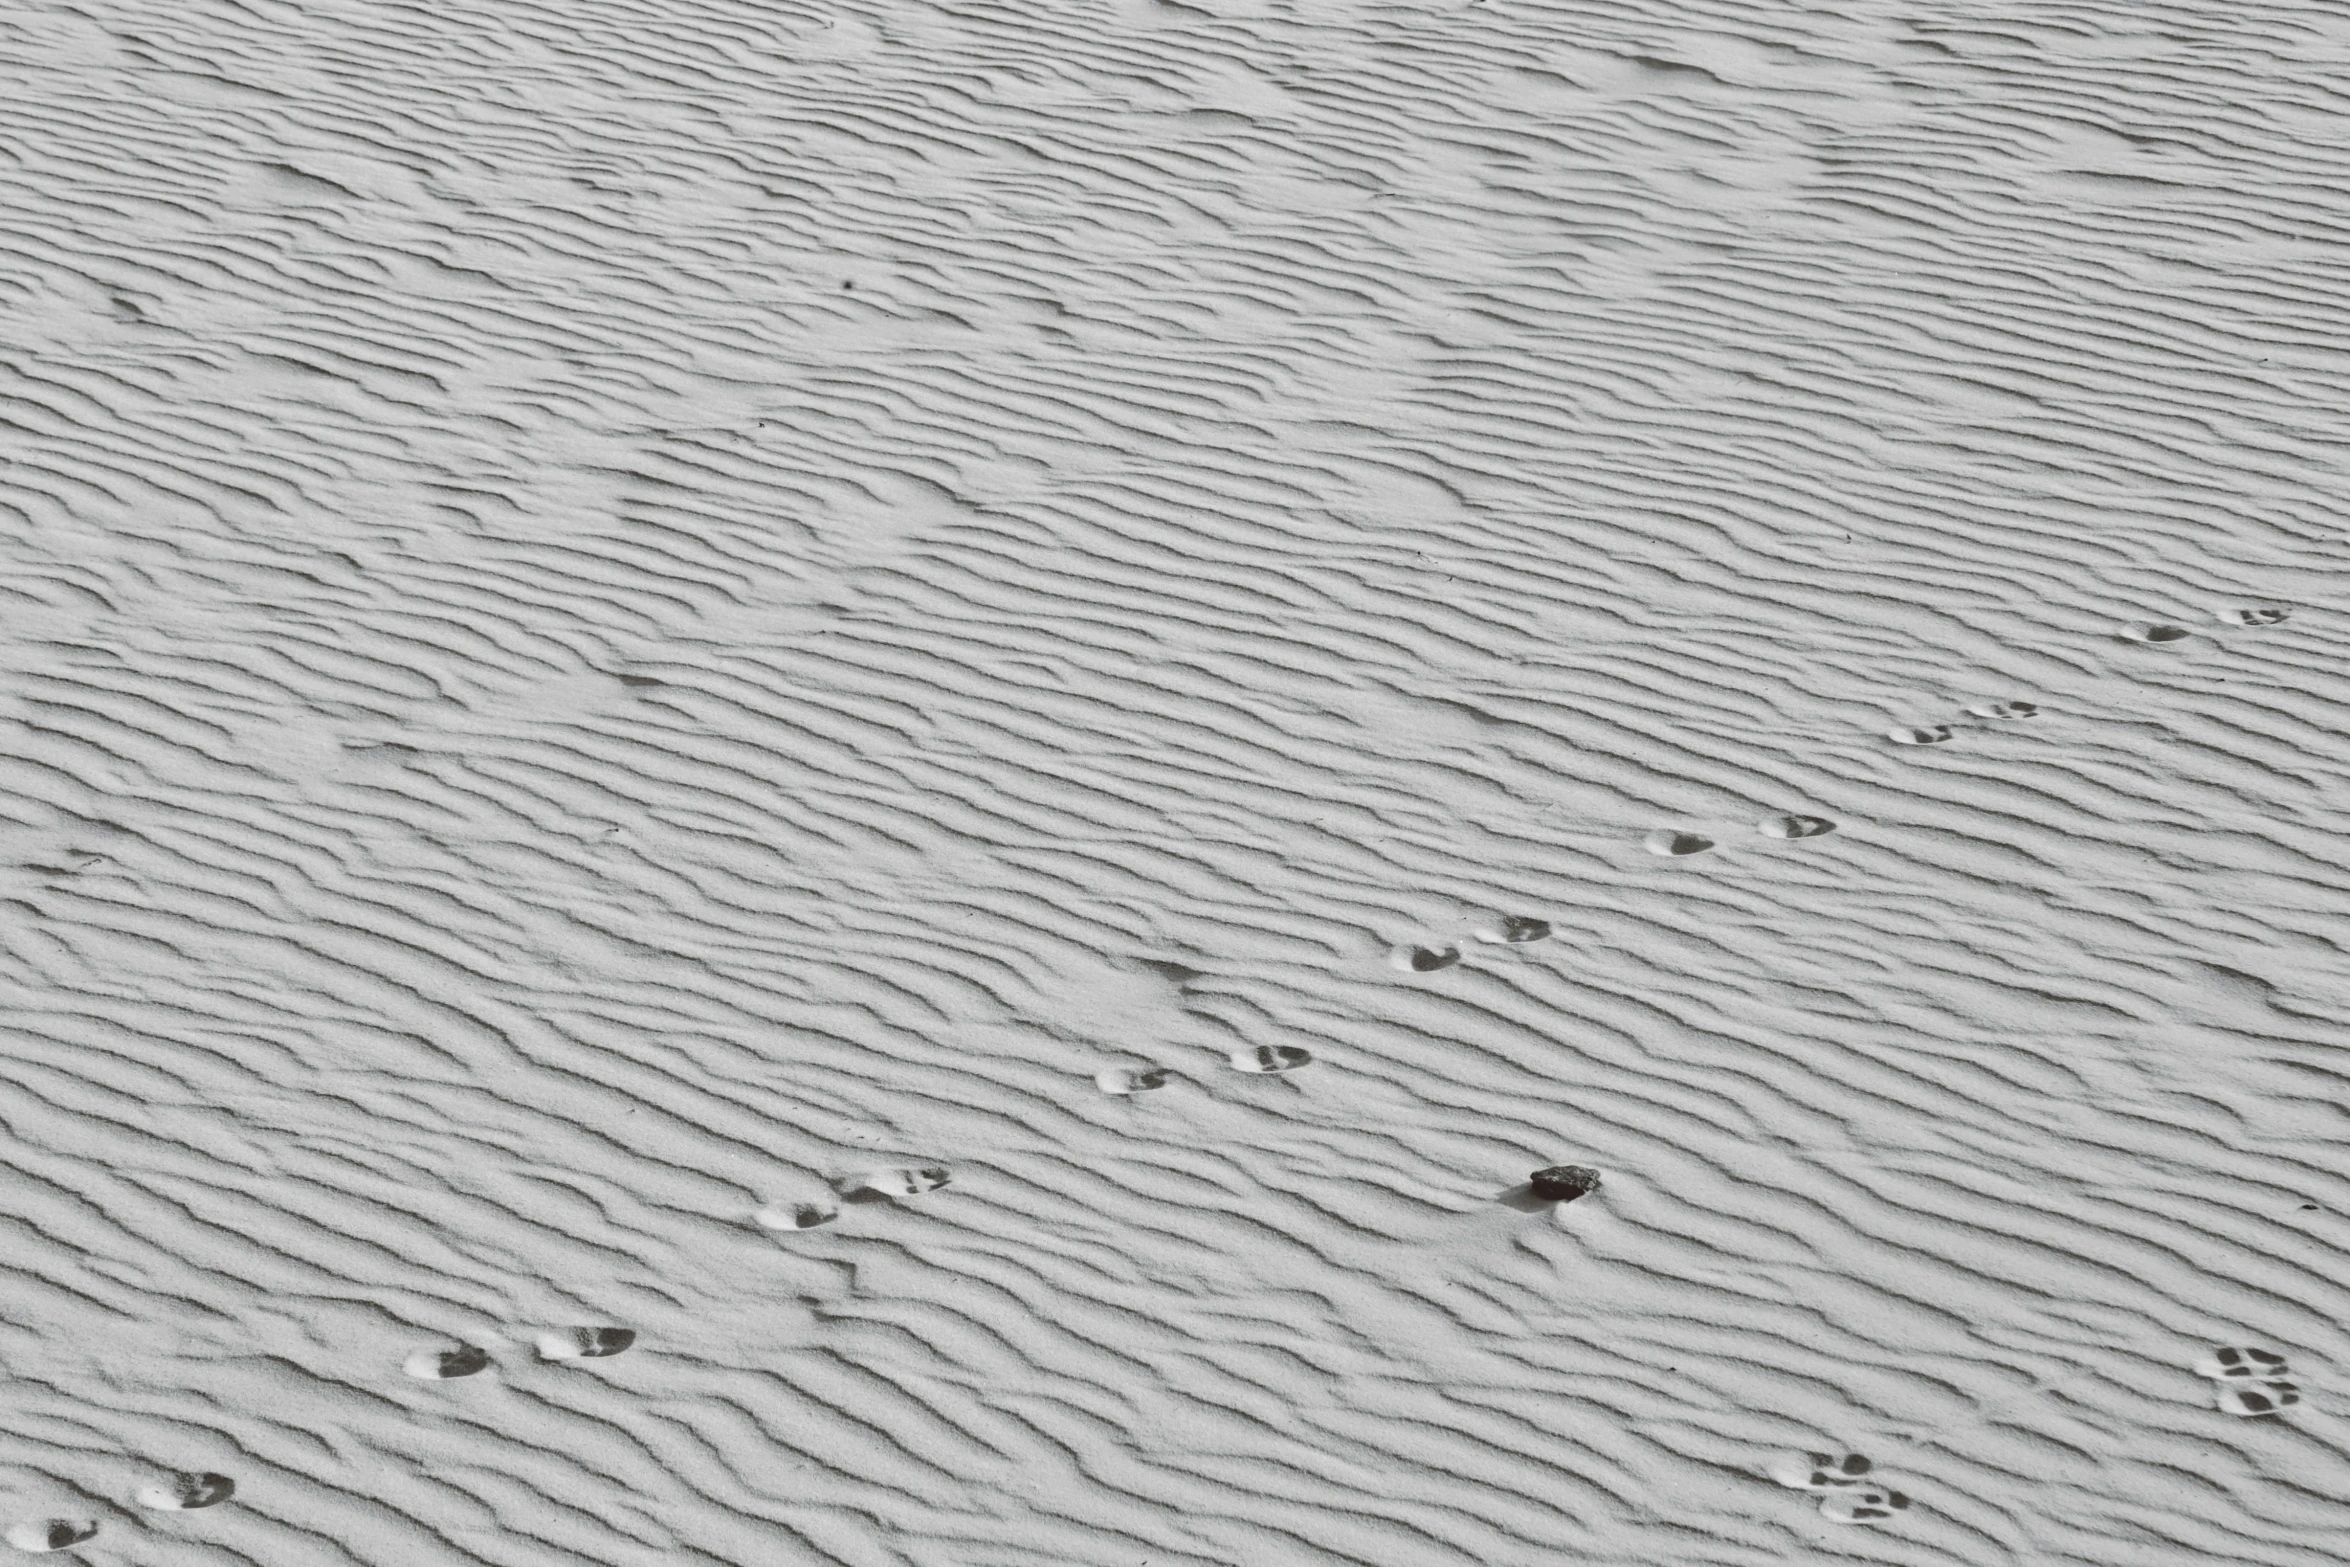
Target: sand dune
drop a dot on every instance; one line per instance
(635, 626)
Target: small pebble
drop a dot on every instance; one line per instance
(1563, 1182)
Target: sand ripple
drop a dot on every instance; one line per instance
(630, 624)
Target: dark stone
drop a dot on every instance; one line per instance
(1563, 1182)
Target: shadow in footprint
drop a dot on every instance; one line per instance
(1269, 1058)
(583, 1343)
(1862, 1504)
(1665, 841)
(2005, 710)
(890, 1184)
(2243, 1365)
(2258, 1400)
(799, 1216)
(52, 1534)
(187, 1492)
(1424, 960)
(439, 1365)
(2156, 634)
(1514, 929)
(1131, 1079)
(1931, 734)
(2257, 615)
(1820, 1471)
(1795, 826)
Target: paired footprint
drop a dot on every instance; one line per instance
(441, 1365)
(1505, 930)
(1843, 1484)
(183, 1492)
(1989, 712)
(1672, 844)
(865, 1186)
(2249, 1382)
(1254, 1059)
(2232, 615)
(893, 1182)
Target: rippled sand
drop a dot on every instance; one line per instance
(795, 784)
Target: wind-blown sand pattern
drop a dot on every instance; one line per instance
(625, 616)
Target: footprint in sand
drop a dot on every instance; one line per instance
(1931, 734)
(185, 1492)
(1820, 1471)
(897, 1181)
(2243, 1365)
(1131, 1079)
(2004, 710)
(2156, 633)
(1423, 960)
(2253, 1400)
(1269, 1058)
(583, 1343)
(1668, 842)
(799, 1216)
(2255, 615)
(52, 1534)
(1842, 1481)
(1794, 826)
(1862, 1504)
(437, 1365)
(1513, 929)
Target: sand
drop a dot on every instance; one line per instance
(856, 783)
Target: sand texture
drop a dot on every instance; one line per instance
(856, 784)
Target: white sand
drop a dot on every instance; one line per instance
(630, 623)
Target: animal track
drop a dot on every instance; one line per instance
(435, 1365)
(1820, 1471)
(2257, 1399)
(2250, 1382)
(1424, 960)
(1841, 1480)
(1794, 826)
(1514, 928)
(583, 1343)
(1666, 841)
(52, 1534)
(186, 1492)
(2243, 1365)
(1269, 1058)
(1131, 1079)
(2005, 710)
(1932, 734)
(1861, 1504)
(897, 1181)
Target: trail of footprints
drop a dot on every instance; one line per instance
(2155, 633)
(182, 1492)
(2248, 1382)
